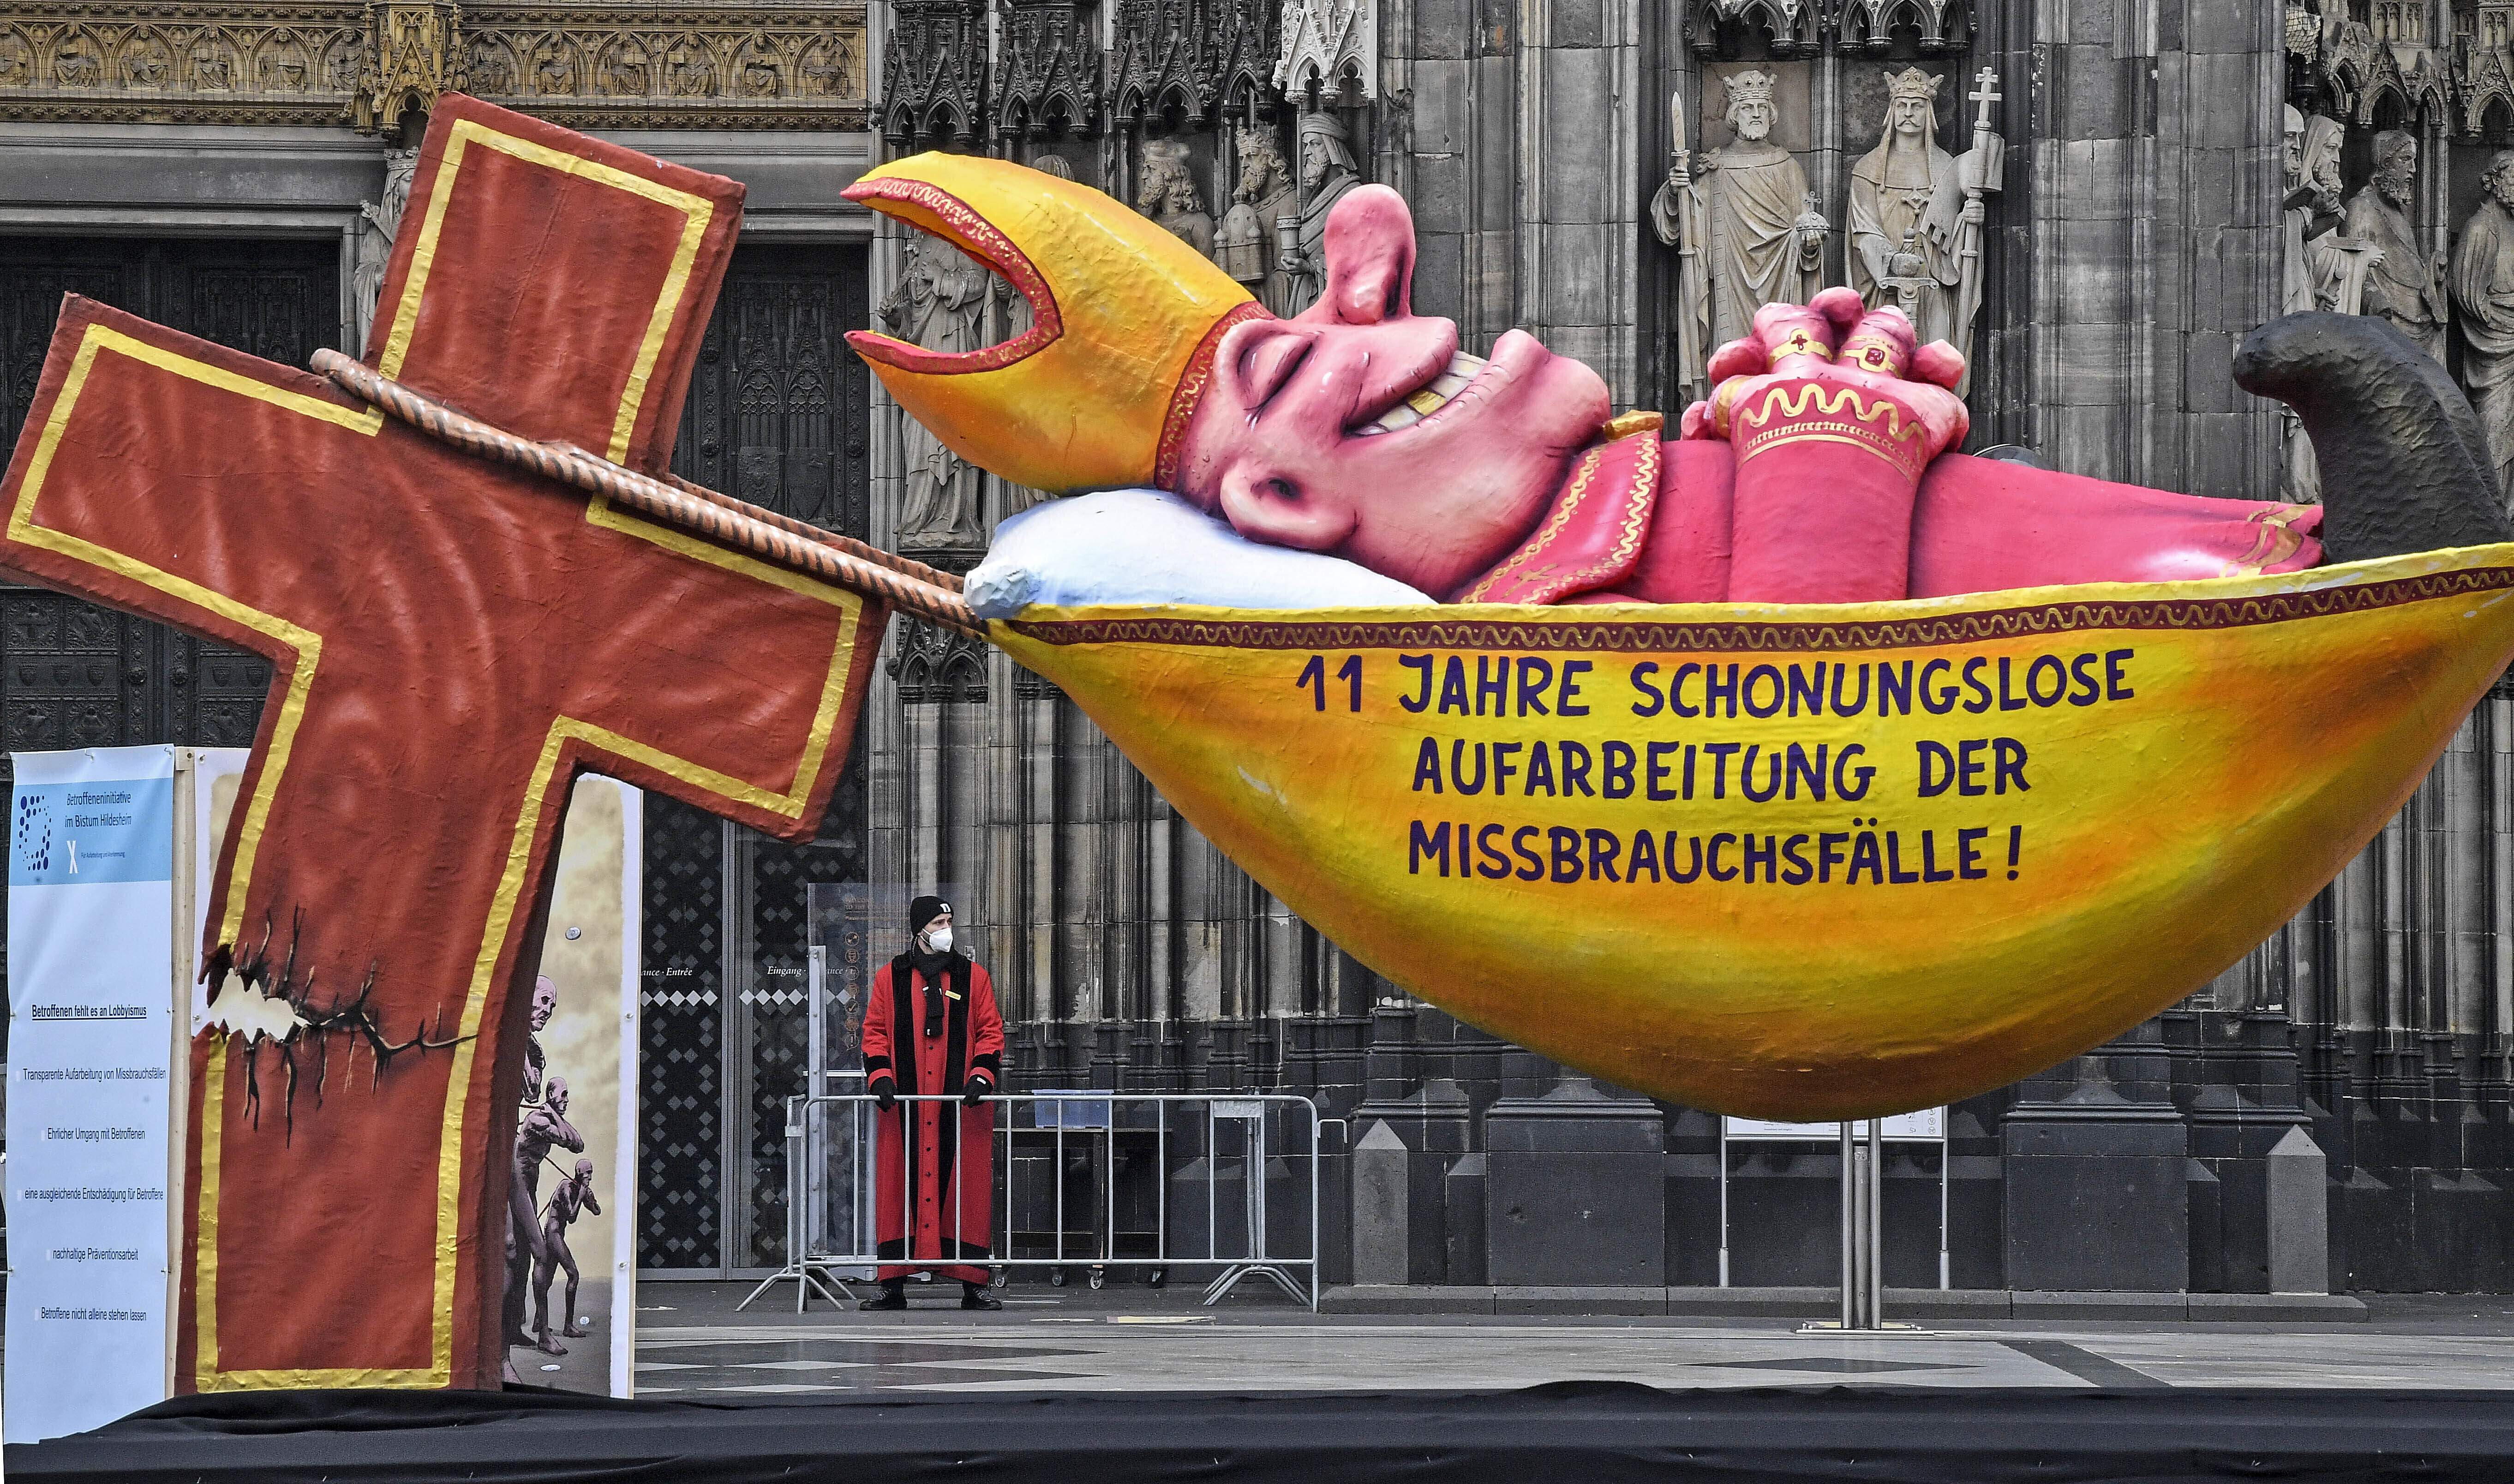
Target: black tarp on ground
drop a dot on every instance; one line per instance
(1581, 1432)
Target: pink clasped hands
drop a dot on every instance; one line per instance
(1834, 412)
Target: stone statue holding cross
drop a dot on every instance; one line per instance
(1917, 212)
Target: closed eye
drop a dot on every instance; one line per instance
(1267, 368)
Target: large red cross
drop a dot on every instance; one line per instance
(452, 643)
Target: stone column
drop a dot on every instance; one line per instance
(1430, 1118)
(1382, 1205)
(1324, 1058)
(1454, 156)
(1691, 1203)
(2153, 241)
(2241, 1118)
(2490, 1080)
(2299, 1222)
(1040, 845)
(1281, 948)
(1579, 196)
(1463, 1223)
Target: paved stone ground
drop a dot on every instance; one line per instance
(692, 1345)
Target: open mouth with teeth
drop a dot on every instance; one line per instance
(1431, 398)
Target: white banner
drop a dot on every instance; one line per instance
(1928, 1126)
(111, 857)
(92, 1066)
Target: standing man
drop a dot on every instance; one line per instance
(931, 1029)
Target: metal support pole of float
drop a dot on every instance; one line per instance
(1864, 1271)
(1872, 1180)
(1849, 1226)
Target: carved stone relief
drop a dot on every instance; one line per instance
(2483, 294)
(1249, 243)
(2415, 96)
(378, 220)
(1746, 225)
(1907, 202)
(272, 64)
(1189, 62)
(1046, 71)
(1328, 46)
(413, 54)
(2405, 284)
(1327, 171)
(1167, 194)
(933, 74)
(300, 61)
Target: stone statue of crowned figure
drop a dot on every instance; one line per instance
(1909, 216)
(1749, 232)
(1745, 226)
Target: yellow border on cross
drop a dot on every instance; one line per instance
(307, 648)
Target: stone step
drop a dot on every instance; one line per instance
(1943, 1307)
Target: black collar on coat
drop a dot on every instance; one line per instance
(907, 1022)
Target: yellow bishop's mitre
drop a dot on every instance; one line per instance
(1097, 391)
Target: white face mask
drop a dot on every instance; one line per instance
(938, 940)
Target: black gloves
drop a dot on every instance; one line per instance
(885, 1092)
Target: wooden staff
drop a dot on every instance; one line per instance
(909, 587)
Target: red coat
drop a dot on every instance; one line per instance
(921, 1038)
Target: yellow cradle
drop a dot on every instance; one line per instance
(2246, 735)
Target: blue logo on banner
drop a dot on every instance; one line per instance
(92, 832)
(34, 838)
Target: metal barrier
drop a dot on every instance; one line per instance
(830, 1223)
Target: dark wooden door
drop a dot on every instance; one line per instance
(779, 414)
(74, 675)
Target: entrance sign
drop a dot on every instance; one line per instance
(1929, 1123)
(1863, 1212)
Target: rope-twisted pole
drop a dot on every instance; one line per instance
(909, 586)
(865, 551)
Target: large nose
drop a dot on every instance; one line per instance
(1370, 258)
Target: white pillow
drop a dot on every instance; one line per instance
(1149, 546)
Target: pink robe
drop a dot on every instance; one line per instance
(1642, 521)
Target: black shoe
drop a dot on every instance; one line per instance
(891, 1299)
(975, 1295)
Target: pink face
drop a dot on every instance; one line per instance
(1276, 448)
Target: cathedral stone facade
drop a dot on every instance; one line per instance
(2096, 200)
